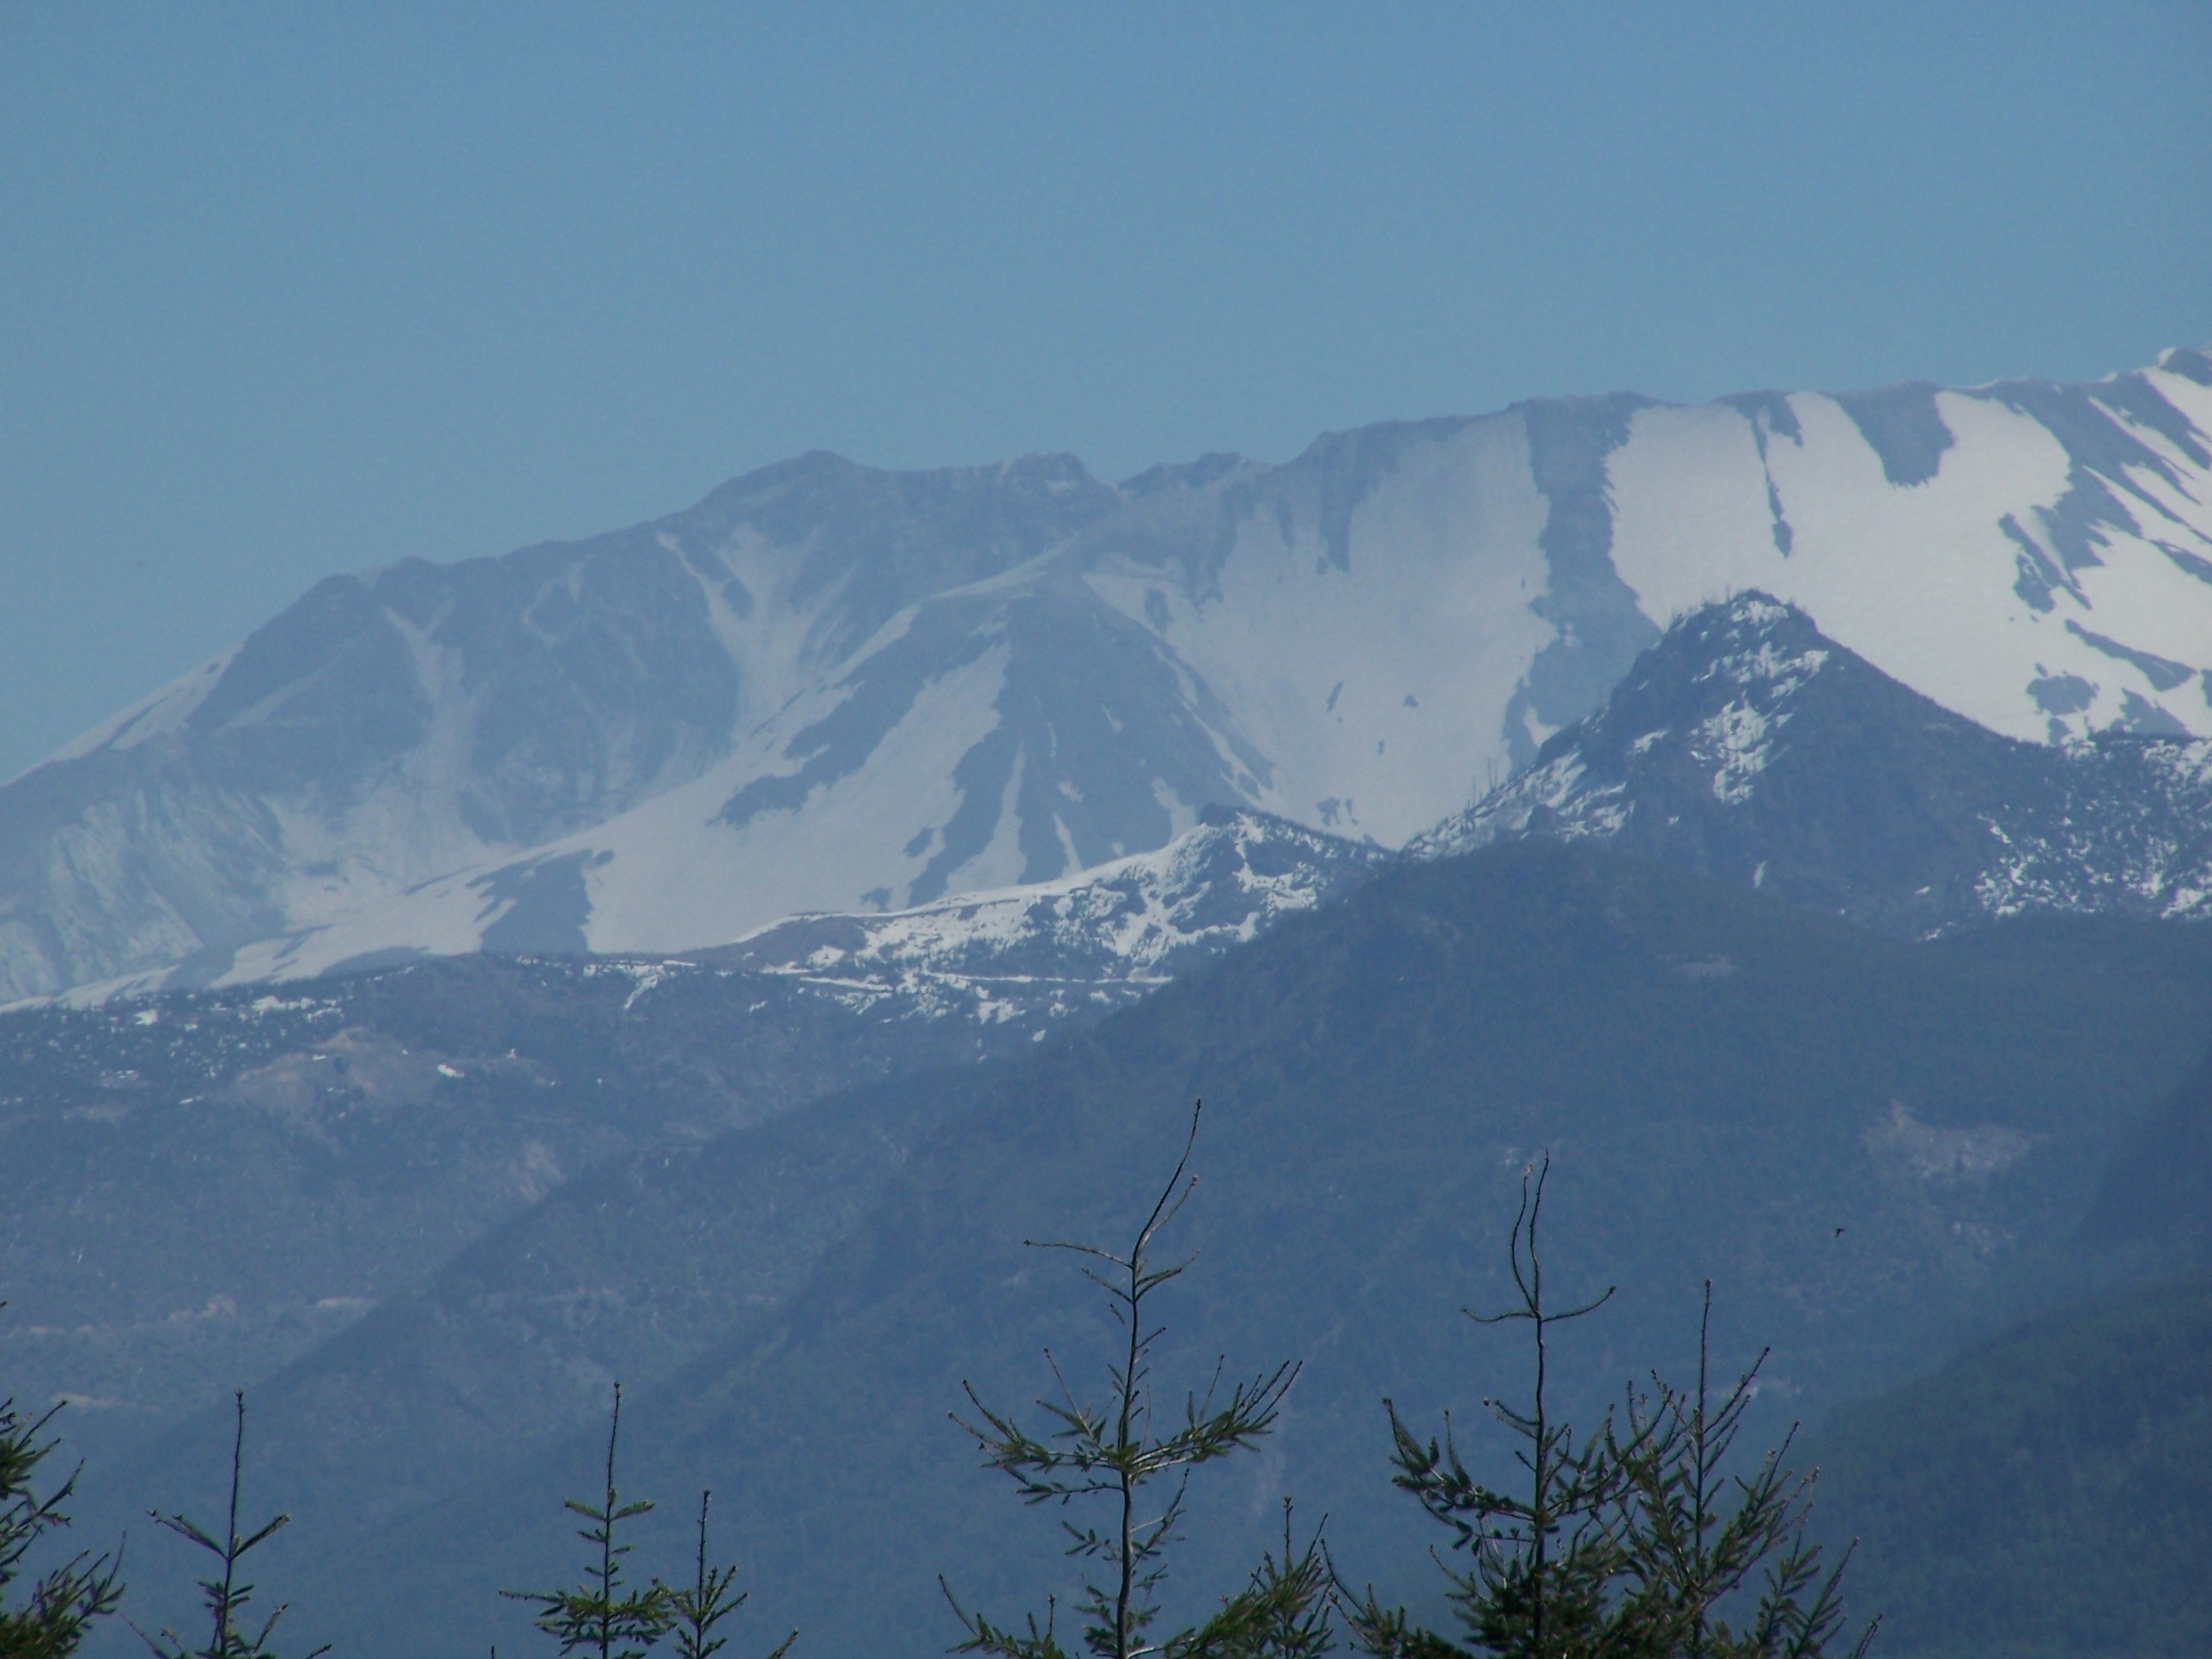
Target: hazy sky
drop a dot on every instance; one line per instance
(293, 290)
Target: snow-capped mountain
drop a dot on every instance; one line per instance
(1088, 941)
(1749, 746)
(830, 688)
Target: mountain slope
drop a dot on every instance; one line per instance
(1101, 937)
(392, 726)
(2158, 1191)
(1750, 746)
(2046, 1492)
(194, 1191)
(1874, 1147)
(2044, 1496)
(830, 689)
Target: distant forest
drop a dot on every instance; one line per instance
(1647, 1533)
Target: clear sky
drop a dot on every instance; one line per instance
(291, 291)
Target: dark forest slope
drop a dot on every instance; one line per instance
(2047, 1495)
(1877, 1150)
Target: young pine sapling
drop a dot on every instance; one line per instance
(1539, 1560)
(225, 1595)
(604, 1615)
(1694, 1535)
(1117, 1454)
(694, 1611)
(64, 1601)
(1625, 1543)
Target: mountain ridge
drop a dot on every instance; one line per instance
(1749, 745)
(679, 731)
(386, 1118)
(1724, 1082)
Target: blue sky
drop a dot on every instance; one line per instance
(295, 291)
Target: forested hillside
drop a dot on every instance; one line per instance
(2046, 1495)
(1875, 1149)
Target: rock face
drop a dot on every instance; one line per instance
(1749, 746)
(826, 688)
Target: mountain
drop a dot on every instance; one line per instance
(2158, 1192)
(2044, 1495)
(1876, 1148)
(1096, 941)
(1749, 746)
(827, 688)
(2045, 1492)
(197, 1189)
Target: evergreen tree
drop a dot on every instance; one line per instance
(64, 1602)
(1625, 1543)
(1694, 1536)
(1541, 1560)
(1118, 1453)
(603, 1615)
(694, 1611)
(1287, 1611)
(226, 1597)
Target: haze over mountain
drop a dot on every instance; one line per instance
(2043, 1493)
(830, 688)
(385, 1120)
(1099, 785)
(670, 691)
(1876, 1148)
(1745, 745)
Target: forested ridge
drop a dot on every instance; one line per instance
(1874, 1151)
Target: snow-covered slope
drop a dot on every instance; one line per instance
(826, 689)
(1089, 940)
(1747, 746)
(1086, 942)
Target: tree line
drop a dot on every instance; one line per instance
(1641, 1536)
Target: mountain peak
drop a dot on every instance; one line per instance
(1747, 745)
(1752, 639)
(2188, 361)
(827, 681)
(1720, 681)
